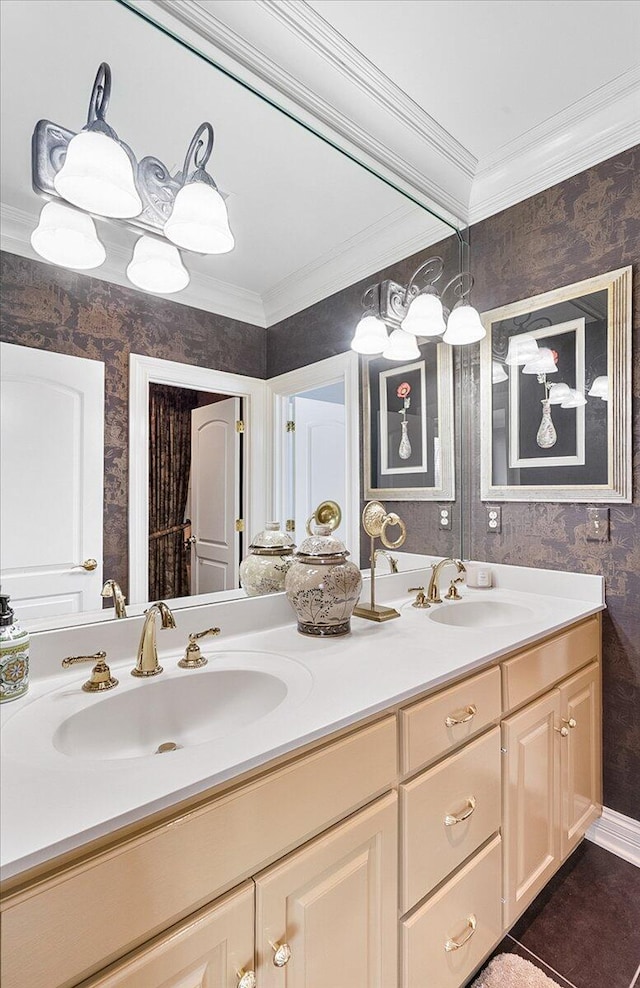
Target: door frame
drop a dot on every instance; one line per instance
(257, 410)
(343, 368)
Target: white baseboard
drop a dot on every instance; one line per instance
(617, 833)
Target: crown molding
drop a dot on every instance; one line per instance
(203, 292)
(353, 106)
(602, 124)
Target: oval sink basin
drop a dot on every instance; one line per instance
(481, 614)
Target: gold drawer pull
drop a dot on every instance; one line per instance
(452, 818)
(281, 954)
(247, 979)
(454, 944)
(468, 713)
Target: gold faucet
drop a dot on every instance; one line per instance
(112, 589)
(393, 562)
(433, 592)
(147, 662)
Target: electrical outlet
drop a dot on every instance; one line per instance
(445, 518)
(494, 520)
(597, 524)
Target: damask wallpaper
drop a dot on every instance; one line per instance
(54, 309)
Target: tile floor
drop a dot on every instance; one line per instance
(583, 930)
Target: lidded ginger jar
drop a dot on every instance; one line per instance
(322, 585)
(270, 555)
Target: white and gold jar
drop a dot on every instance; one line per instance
(323, 586)
(270, 555)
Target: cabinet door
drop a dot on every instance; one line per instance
(333, 903)
(531, 823)
(580, 757)
(211, 949)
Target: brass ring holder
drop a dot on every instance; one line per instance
(375, 521)
(327, 513)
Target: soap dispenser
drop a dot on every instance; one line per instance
(14, 654)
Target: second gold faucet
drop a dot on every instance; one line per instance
(147, 662)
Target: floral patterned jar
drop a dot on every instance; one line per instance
(270, 555)
(323, 586)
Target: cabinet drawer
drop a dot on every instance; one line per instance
(534, 671)
(465, 786)
(452, 933)
(433, 726)
(149, 882)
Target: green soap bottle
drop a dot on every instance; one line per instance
(14, 654)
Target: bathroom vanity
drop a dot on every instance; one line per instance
(385, 829)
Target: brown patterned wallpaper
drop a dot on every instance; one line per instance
(52, 308)
(584, 226)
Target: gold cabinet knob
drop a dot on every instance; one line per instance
(281, 954)
(562, 731)
(571, 722)
(455, 944)
(247, 979)
(461, 717)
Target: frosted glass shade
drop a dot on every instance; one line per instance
(157, 267)
(401, 346)
(559, 393)
(463, 326)
(67, 237)
(199, 220)
(543, 363)
(424, 316)
(97, 175)
(521, 350)
(600, 388)
(574, 401)
(370, 336)
(498, 373)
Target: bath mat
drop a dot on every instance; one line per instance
(511, 971)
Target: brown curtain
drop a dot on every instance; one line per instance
(169, 465)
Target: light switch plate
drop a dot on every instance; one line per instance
(445, 518)
(597, 524)
(494, 520)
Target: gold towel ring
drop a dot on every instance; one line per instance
(390, 520)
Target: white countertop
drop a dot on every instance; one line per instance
(53, 803)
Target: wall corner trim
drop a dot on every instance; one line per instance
(617, 833)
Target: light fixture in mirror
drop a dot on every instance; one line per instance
(68, 238)
(544, 362)
(401, 346)
(522, 349)
(157, 267)
(600, 388)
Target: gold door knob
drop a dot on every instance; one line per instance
(88, 564)
(454, 944)
(247, 979)
(281, 954)
(571, 722)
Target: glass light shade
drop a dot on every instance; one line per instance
(401, 346)
(97, 175)
(521, 350)
(463, 326)
(600, 388)
(543, 363)
(65, 236)
(575, 400)
(370, 336)
(498, 373)
(157, 267)
(424, 316)
(559, 393)
(199, 220)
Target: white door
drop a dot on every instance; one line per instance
(51, 494)
(215, 496)
(319, 457)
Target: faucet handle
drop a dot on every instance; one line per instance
(452, 593)
(101, 678)
(420, 601)
(193, 657)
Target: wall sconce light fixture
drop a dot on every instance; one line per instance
(411, 312)
(94, 172)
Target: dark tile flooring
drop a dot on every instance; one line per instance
(583, 929)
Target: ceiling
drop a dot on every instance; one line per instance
(464, 107)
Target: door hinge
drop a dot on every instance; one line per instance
(239, 524)
(239, 426)
(503, 751)
(291, 426)
(290, 525)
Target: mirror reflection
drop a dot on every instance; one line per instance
(311, 229)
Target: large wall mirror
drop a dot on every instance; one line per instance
(312, 228)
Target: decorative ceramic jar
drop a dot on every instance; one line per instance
(270, 555)
(323, 586)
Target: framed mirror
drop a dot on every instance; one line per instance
(556, 395)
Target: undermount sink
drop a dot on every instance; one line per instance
(481, 614)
